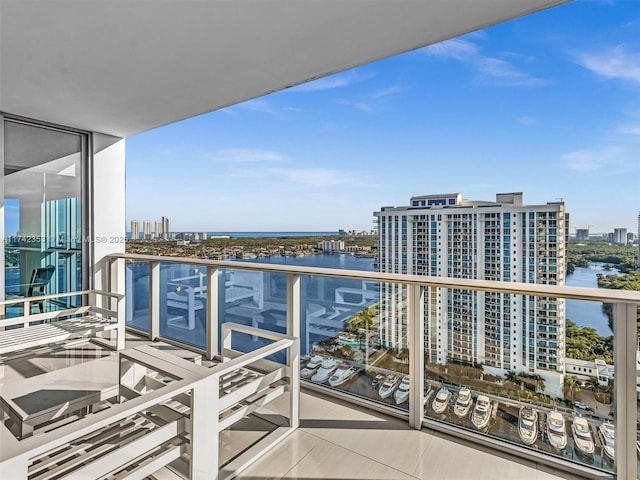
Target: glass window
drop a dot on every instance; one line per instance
(42, 223)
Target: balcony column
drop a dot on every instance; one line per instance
(293, 361)
(213, 319)
(154, 300)
(204, 447)
(625, 340)
(415, 334)
(293, 305)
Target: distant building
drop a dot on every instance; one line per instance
(582, 234)
(331, 245)
(135, 230)
(446, 236)
(158, 230)
(203, 235)
(165, 228)
(620, 236)
(146, 230)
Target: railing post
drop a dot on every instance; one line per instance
(213, 319)
(293, 330)
(154, 300)
(204, 451)
(293, 305)
(625, 341)
(415, 340)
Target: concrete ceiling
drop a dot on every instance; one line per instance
(121, 67)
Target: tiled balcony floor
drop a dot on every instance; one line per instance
(341, 441)
(336, 440)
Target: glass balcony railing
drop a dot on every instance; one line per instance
(503, 364)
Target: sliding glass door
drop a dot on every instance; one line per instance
(42, 200)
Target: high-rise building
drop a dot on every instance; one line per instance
(146, 229)
(158, 230)
(135, 230)
(620, 236)
(165, 228)
(331, 245)
(582, 234)
(446, 236)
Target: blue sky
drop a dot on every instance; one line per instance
(548, 104)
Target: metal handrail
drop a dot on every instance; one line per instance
(573, 293)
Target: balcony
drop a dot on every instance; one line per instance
(190, 304)
(186, 302)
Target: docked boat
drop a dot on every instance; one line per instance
(556, 431)
(388, 386)
(608, 437)
(327, 367)
(341, 375)
(528, 425)
(377, 380)
(441, 401)
(311, 366)
(463, 403)
(314, 362)
(401, 395)
(482, 412)
(582, 438)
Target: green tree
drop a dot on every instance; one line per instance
(571, 386)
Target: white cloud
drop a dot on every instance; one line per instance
(527, 120)
(237, 155)
(489, 69)
(614, 63)
(316, 177)
(612, 158)
(364, 107)
(339, 80)
(296, 178)
(385, 92)
(630, 130)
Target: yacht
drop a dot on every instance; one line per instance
(441, 401)
(310, 368)
(528, 425)
(556, 433)
(388, 386)
(402, 393)
(582, 438)
(608, 437)
(482, 412)
(341, 375)
(324, 372)
(314, 362)
(464, 402)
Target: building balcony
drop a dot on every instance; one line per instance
(350, 408)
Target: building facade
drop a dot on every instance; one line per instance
(582, 234)
(505, 240)
(620, 236)
(135, 230)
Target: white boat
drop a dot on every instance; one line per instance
(582, 438)
(314, 362)
(388, 386)
(307, 372)
(441, 401)
(608, 437)
(401, 395)
(377, 380)
(463, 403)
(482, 412)
(341, 375)
(528, 425)
(324, 372)
(556, 432)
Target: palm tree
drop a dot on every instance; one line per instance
(571, 386)
(363, 320)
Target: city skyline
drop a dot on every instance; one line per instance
(546, 105)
